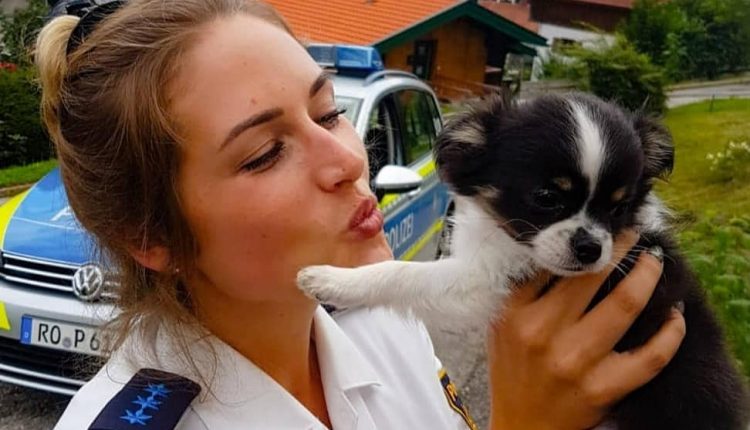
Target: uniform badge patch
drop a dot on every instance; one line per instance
(152, 399)
(451, 393)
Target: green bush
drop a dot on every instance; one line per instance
(730, 164)
(22, 138)
(718, 249)
(617, 72)
(557, 66)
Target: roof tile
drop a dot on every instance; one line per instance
(519, 13)
(355, 21)
(623, 4)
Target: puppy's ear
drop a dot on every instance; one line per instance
(657, 145)
(461, 149)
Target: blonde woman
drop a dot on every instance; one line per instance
(201, 145)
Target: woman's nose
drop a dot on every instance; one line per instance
(337, 161)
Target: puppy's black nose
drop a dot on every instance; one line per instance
(587, 249)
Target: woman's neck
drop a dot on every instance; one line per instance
(276, 337)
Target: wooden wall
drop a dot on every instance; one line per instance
(569, 14)
(460, 58)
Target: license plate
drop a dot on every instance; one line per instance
(59, 335)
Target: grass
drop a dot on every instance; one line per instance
(718, 249)
(699, 130)
(19, 175)
(716, 238)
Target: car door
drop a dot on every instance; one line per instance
(412, 218)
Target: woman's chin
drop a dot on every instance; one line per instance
(375, 251)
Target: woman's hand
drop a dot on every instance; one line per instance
(553, 367)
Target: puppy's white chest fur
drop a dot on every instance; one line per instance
(465, 289)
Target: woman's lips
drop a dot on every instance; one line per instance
(367, 220)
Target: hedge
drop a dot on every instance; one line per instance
(22, 138)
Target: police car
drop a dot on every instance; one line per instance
(54, 293)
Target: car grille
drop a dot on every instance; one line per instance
(45, 275)
(53, 370)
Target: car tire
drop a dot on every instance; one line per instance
(444, 241)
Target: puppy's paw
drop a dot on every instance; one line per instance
(325, 284)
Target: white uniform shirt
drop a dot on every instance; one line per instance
(378, 372)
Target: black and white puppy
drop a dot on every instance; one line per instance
(547, 184)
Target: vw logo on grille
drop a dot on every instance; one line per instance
(88, 282)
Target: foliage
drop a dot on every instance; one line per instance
(19, 175)
(19, 30)
(732, 163)
(22, 138)
(649, 26)
(692, 38)
(718, 250)
(559, 66)
(616, 71)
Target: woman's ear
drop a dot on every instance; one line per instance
(156, 257)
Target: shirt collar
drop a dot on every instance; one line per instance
(240, 392)
(341, 362)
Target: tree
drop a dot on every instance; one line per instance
(18, 31)
(22, 138)
(718, 37)
(650, 24)
(692, 38)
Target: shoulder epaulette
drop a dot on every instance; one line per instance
(152, 399)
(451, 393)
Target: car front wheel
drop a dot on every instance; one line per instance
(444, 242)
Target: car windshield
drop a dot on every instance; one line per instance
(351, 104)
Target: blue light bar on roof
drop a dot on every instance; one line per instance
(347, 59)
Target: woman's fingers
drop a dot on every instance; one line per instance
(611, 318)
(571, 296)
(529, 290)
(621, 373)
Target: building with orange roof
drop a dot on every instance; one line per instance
(602, 14)
(456, 45)
(516, 11)
(563, 22)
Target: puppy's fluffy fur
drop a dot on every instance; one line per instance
(547, 185)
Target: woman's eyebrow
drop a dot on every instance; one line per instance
(272, 113)
(253, 121)
(321, 80)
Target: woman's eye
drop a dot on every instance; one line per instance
(331, 119)
(267, 159)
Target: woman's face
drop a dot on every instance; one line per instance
(272, 178)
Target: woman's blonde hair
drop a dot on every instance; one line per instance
(105, 105)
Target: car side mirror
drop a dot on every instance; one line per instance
(395, 179)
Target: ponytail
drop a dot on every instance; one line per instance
(51, 61)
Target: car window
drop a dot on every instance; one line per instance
(381, 136)
(417, 117)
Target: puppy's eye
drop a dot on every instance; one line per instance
(618, 209)
(547, 199)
